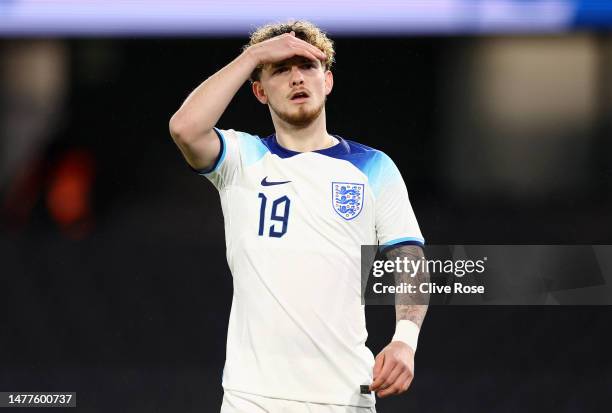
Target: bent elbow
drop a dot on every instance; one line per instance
(177, 128)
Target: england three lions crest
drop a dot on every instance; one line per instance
(347, 199)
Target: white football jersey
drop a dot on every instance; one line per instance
(294, 226)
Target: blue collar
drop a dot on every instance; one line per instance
(339, 149)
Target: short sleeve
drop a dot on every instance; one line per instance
(396, 223)
(238, 149)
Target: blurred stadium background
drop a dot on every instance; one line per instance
(113, 270)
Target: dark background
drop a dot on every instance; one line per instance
(126, 300)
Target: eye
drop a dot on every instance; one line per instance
(280, 69)
(308, 65)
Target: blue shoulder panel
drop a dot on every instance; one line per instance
(251, 147)
(376, 165)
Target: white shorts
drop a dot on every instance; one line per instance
(240, 402)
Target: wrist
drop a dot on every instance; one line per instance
(407, 332)
(250, 57)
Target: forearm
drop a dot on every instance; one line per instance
(410, 310)
(204, 106)
(411, 307)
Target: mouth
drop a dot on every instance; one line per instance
(299, 97)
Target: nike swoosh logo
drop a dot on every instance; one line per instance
(265, 182)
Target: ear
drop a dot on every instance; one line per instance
(259, 92)
(329, 82)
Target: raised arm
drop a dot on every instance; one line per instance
(192, 125)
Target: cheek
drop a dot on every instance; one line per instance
(271, 94)
(276, 101)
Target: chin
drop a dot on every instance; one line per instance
(301, 116)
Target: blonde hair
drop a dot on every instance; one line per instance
(303, 30)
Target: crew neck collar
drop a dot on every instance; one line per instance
(340, 148)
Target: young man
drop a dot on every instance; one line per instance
(298, 205)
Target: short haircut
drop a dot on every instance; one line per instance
(303, 30)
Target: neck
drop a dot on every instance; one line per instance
(312, 137)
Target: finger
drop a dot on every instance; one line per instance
(315, 55)
(312, 49)
(307, 55)
(292, 33)
(320, 54)
(388, 392)
(394, 385)
(316, 51)
(378, 363)
(401, 384)
(391, 384)
(406, 384)
(400, 388)
(394, 378)
(387, 368)
(299, 49)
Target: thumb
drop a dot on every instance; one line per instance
(378, 363)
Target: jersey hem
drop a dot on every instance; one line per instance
(353, 401)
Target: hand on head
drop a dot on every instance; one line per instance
(284, 47)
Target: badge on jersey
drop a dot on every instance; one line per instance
(347, 199)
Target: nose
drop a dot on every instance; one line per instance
(296, 76)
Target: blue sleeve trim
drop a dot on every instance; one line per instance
(220, 157)
(412, 241)
(405, 241)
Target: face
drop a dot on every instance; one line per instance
(294, 89)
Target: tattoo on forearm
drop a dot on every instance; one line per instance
(411, 307)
